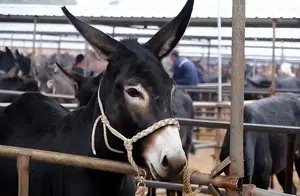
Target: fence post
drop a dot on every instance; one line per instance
(23, 174)
(237, 91)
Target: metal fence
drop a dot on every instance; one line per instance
(22, 154)
(232, 183)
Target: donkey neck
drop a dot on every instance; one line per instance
(113, 183)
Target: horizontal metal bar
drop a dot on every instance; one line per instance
(176, 186)
(149, 35)
(226, 87)
(233, 183)
(247, 126)
(66, 105)
(155, 21)
(252, 190)
(200, 45)
(201, 146)
(217, 104)
(11, 92)
(205, 85)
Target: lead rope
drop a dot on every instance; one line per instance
(128, 143)
(187, 188)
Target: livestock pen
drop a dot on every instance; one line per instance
(196, 122)
(233, 183)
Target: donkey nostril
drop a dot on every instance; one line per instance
(165, 162)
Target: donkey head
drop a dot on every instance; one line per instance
(136, 91)
(85, 86)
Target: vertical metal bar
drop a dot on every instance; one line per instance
(237, 90)
(23, 175)
(32, 65)
(208, 55)
(289, 163)
(86, 48)
(254, 65)
(41, 44)
(282, 52)
(59, 45)
(85, 59)
(217, 150)
(113, 33)
(218, 138)
(273, 78)
(219, 56)
(11, 40)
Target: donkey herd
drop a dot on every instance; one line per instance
(134, 93)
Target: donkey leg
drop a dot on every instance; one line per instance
(152, 192)
(262, 170)
(272, 182)
(281, 179)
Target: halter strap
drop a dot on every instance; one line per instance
(128, 143)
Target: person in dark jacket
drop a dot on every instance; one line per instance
(184, 70)
(79, 64)
(291, 82)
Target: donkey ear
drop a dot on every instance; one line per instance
(17, 52)
(169, 35)
(9, 52)
(105, 45)
(78, 79)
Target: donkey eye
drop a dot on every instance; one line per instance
(132, 92)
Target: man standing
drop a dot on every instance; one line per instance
(291, 82)
(184, 71)
(79, 65)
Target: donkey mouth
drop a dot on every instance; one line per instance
(155, 175)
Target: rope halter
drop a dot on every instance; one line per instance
(128, 143)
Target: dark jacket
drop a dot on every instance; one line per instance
(289, 83)
(80, 71)
(185, 72)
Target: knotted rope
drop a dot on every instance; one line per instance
(187, 189)
(128, 143)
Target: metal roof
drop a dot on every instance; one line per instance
(152, 21)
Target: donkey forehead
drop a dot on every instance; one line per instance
(135, 54)
(137, 62)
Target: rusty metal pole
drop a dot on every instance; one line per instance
(250, 190)
(273, 74)
(233, 183)
(237, 91)
(86, 49)
(23, 174)
(218, 134)
(33, 65)
(208, 56)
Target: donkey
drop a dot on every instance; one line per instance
(134, 93)
(265, 153)
(11, 80)
(181, 104)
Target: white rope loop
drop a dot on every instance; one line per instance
(128, 143)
